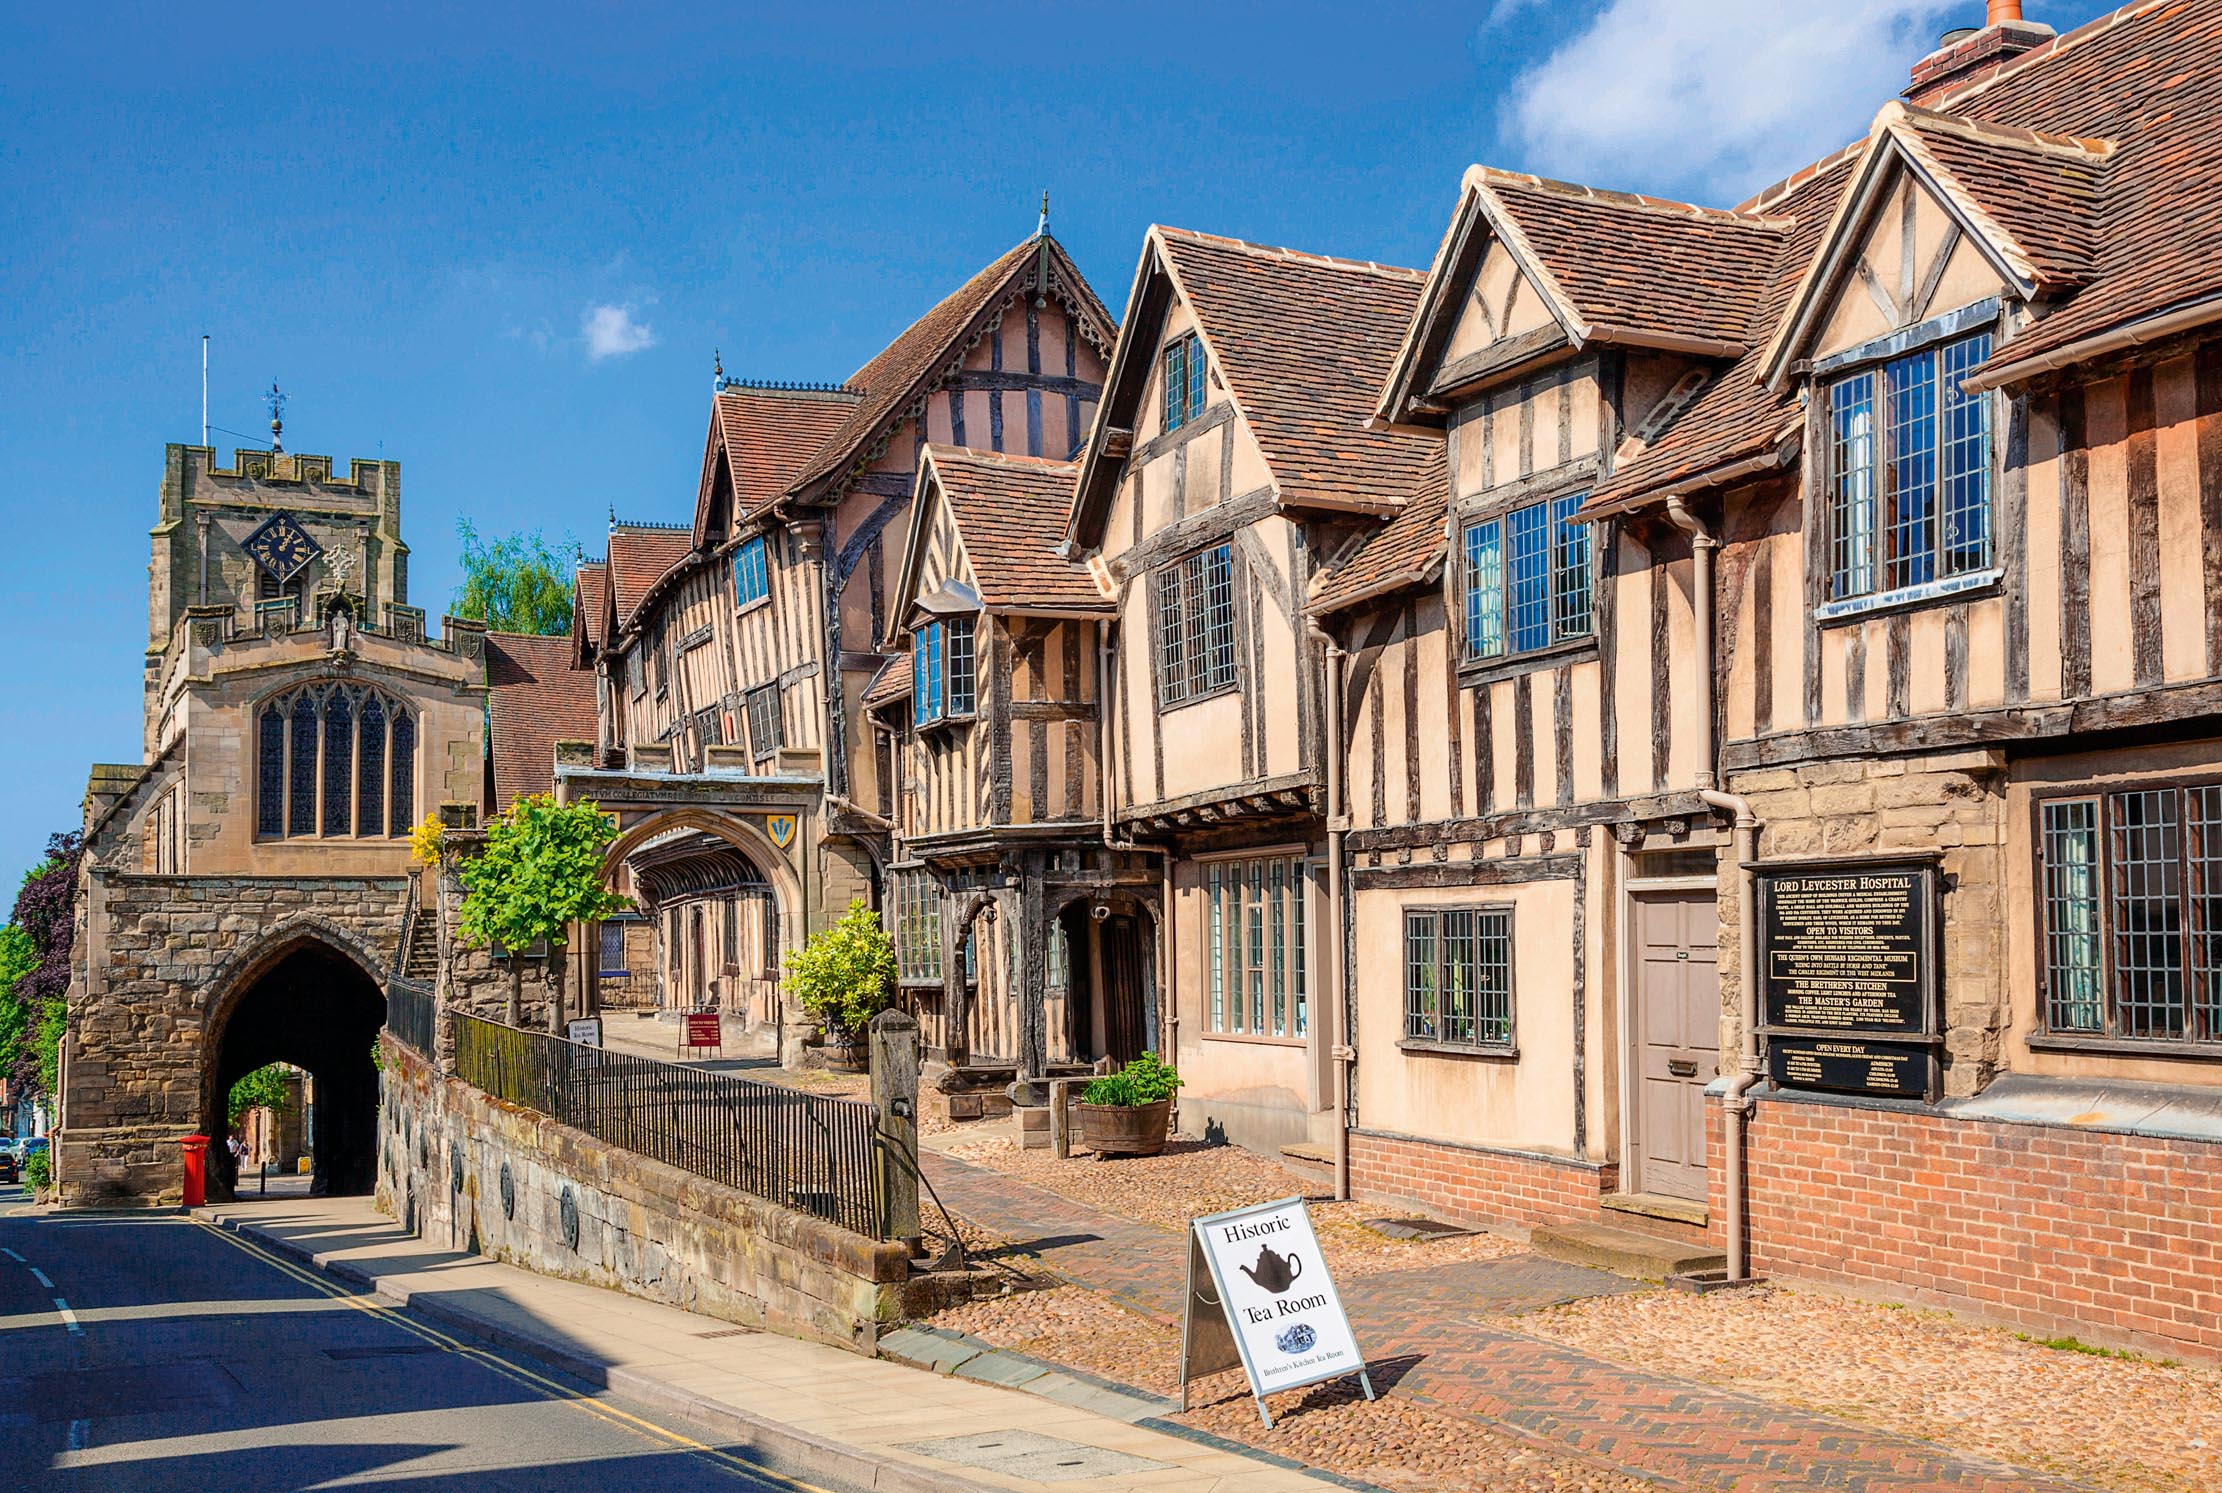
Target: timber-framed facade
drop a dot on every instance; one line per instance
(1385, 692)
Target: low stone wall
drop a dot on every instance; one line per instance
(470, 1172)
(1475, 1183)
(2108, 1236)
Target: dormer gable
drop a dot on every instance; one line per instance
(985, 537)
(1292, 347)
(1531, 270)
(1941, 215)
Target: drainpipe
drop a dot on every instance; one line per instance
(1338, 1026)
(1736, 1102)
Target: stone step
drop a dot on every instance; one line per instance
(1623, 1251)
(1313, 1165)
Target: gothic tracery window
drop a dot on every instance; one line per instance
(334, 760)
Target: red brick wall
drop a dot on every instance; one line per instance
(2115, 1238)
(1467, 1183)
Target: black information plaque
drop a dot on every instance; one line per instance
(1884, 1069)
(1847, 949)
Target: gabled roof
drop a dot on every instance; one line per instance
(589, 609)
(537, 699)
(1009, 513)
(891, 383)
(2027, 148)
(890, 684)
(1403, 552)
(1300, 342)
(1735, 420)
(641, 555)
(1612, 267)
(2026, 201)
(761, 437)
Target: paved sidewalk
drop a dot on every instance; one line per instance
(1422, 1330)
(802, 1405)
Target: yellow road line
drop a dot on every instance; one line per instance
(547, 1388)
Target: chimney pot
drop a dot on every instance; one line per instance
(2002, 11)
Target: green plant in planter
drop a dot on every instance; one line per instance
(845, 975)
(1146, 1080)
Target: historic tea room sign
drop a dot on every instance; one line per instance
(1259, 1295)
(1848, 975)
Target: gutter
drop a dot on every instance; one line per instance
(2190, 316)
(1736, 1101)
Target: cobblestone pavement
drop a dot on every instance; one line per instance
(1421, 1329)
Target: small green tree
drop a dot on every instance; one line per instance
(845, 975)
(514, 584)
(541, 871)
(265, 1088)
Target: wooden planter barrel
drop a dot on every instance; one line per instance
(1117, 1130)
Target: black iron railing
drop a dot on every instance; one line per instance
(409, 1013)
(802, 1151)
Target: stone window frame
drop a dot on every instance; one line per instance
(2191, 875)
(402, 739)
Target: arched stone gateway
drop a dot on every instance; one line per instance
(305, 996)
(186, 983)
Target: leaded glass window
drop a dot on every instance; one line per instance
(917, 898)
(2131, 902)
(334, 760)
(1255, 959)
(763, 721)
(1458, 975)
(751, 581)
(1909, 476)
(1195, 625)
(1527, 579)
(1187, 377)
(943, 683)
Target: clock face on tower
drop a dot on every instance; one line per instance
(281, 547)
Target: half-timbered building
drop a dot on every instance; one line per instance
(736, 648)
(1900, 538)
(1233, 456)
(1025, 939)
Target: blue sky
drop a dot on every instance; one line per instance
(499, 244)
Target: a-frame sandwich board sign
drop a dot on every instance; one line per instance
(1259, 1295)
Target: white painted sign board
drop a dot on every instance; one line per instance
(1260, 1295)
(587, 1031)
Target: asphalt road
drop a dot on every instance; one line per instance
(162, 1353)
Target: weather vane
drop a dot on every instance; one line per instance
(276, 400)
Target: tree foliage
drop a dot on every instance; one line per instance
(513, 584)
(18, 957)
(845, 975)
(265, 1088)
(45, 915)
(540, 872)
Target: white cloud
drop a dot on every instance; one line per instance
(611, 332)
(1714, 98)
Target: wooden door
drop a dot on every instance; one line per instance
(1675, 1025)
(1122, 988)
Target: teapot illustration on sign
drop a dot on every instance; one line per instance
(1275, 1272)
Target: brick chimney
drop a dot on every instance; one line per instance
(1967, 55)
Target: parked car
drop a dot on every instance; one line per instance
(11, 1170)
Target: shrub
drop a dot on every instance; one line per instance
(845, 975)
(1146, 1080)
(38, 1170)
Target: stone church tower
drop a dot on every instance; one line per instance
(247, 881)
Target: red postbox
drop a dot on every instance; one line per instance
(196, 1170)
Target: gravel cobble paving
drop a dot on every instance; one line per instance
(1192, 1179)
(2136, 1425)
(1391, 1441)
